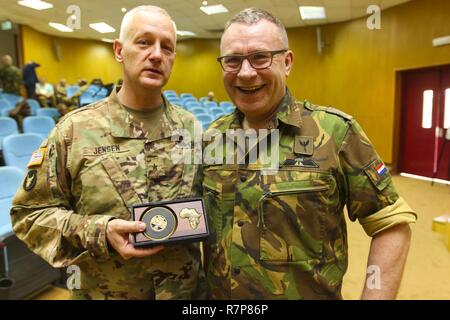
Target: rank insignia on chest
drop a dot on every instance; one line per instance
(301, 162)
(304, 145)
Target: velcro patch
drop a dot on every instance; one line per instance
(304, 145)
(37, 158)
(301, 162)
(378, 174)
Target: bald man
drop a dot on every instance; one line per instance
(73, 208)
(10, 76)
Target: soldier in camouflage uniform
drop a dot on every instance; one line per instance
(282, 234)
(10, 76)
(73, 207)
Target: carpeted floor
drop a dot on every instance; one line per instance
(427, 272)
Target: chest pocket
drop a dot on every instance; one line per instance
(106, 189)
(218, 193)
(292, 215)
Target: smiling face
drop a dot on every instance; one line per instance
(256, 92)
(147, 50)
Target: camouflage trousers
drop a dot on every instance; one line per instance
(171, 274)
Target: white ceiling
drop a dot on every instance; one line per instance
(186, 13)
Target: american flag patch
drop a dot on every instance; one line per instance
(381, 169)
(37, 158)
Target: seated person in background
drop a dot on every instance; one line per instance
(83, 86)
(109, 88)
(21, 111)
(63, 110)
(211, 96)
(61, 91)
(45, 93)
(97, 82)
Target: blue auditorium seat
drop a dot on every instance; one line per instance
(34, 106)
(188, 99)
(192, 104)
(12, 98)
(71, 90)
(5, 112)
(8, 126)
(210, 104)
(175, 101)
(10, 180)
(170, 93)
(41, 125)
(23, 272)
(186, 95)
(226, 104)
(205, 120)
(198, 110)
(18, 148)
(48, 112)
(217, 112)
(5, 104)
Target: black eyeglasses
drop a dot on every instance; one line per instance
(258, 60)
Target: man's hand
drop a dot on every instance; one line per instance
(118, 236)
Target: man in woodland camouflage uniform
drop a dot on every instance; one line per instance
(280, 233)
(73, 207)
(10, 76)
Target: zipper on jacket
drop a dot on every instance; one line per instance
(272, 194)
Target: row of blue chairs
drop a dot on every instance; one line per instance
(10, 180)
(48, 112)
(40, 125)
(22, 271)
(7, 105)
(205, 110)
(92, 94)
(18, 148)
(9, 99)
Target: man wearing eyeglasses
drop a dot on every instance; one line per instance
(281, 234)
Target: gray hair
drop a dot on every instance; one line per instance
(251, 16)
(145, 8)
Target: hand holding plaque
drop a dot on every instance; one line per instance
(171, 221)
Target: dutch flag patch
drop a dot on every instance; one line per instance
(381, 169)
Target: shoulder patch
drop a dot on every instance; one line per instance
(37, 157)
(30, 180)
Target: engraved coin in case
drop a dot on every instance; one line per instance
(161, 222)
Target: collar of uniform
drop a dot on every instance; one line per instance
(289, 112)
(122, 125)
(232, 121)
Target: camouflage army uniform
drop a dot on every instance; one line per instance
(283, 236)
(97, 162)
(11, 79)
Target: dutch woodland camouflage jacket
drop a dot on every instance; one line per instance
(283, 235)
